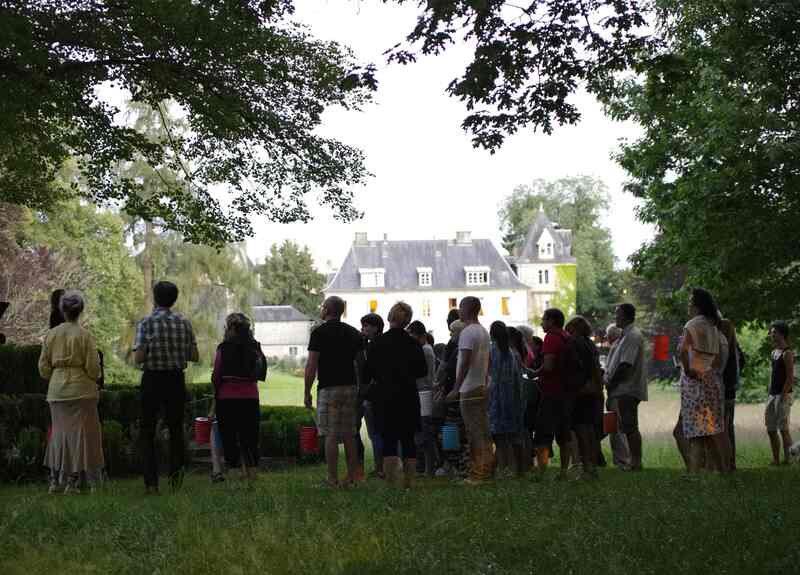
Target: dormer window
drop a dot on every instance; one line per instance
(372, 277)
(425, 277)
(477, 275)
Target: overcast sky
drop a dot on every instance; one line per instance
(428, 180)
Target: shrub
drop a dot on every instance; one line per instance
(755, 377)
(19, 369)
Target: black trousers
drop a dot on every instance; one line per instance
(162, 391)
(238, 425)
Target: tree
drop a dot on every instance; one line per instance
(288, 277)
(718, 166)
(251, 84)
(529, 59)
(575, 203)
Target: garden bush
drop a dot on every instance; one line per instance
(25, 419)
(19, 369)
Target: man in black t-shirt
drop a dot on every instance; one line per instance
(332, 353)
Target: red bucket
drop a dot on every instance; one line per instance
(610, 422)
(661, 348)
(308, 440)
(202, 430)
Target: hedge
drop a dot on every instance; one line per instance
(25, 418)
(19, 369)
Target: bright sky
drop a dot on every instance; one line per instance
(428, 180)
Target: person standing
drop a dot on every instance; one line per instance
(425, 439)
(588, 403)
(70, 362)
(621, 455)
(371, 328)
(470, 389)
(779, 404)
(163, 346)
(238, 366)
(553, 416)
(396, 361)
(730, 380)
(626, 381)
(505, 398)
(332, 352)
(703, 353)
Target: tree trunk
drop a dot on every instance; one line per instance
(147, 266)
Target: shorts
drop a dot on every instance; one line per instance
(777, 412)
(587, 411)
(553, 421)
(627, 414)
(337, 411)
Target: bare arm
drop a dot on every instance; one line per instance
(548, 365)
(139, 355)
(312, 364)
(788, 358)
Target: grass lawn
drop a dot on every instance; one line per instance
(279, 389)
(654, 522)
(657, 521)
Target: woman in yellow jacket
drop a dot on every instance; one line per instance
(70, 362)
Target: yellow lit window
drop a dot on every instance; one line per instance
(373, 305)
(426, 308)
(453, 303)
(504, 306)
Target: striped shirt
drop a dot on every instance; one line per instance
(167, 340)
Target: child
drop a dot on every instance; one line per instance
(779, 404)
(425, 438)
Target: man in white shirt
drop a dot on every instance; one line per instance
(470, 389)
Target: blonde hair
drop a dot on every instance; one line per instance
(401, 313)
(456, 328)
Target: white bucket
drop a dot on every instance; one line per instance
(425, 403)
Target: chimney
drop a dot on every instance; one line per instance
(464, 238)
(360, 239)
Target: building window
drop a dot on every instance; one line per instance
(547, 304)
(425, 279)
(549, 249)
(292, 351)
(452, 303)
(426, 308)
(477, 275)
(541, 277)
(344, 313)
(547, 276)
(372, 277)
(504, 305)
(373, 305)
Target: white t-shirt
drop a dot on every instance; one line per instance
(474, 337)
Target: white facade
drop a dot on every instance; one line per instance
(432, 306)
(283, 338)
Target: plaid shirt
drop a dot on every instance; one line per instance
(167, 339)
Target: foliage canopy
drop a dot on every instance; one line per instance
(251, 84)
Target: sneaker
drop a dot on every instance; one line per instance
(469, 482)
(54, 489)
(441, 472)
(218, 477)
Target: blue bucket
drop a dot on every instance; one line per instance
(450, 437)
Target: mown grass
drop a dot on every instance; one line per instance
(657, 521)
(279, 389)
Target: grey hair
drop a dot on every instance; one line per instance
(613, 332)
(71, 305)
(526, 331)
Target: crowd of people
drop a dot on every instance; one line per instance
(506, 394)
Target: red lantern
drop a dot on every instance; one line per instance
(661, 348)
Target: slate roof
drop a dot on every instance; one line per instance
(276, 313)
(562, 242)
(446, 258)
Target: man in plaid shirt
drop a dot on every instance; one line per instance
(164, 344)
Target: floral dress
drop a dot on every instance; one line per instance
(703, 399)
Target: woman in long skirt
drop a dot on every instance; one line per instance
(70, 362)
